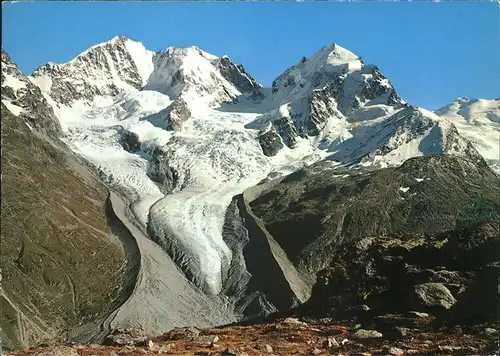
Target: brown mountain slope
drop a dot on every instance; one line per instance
(61, 265)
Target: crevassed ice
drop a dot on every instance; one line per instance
(215, 157)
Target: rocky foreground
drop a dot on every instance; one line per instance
(411, 334)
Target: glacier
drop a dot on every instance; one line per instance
(215, 158)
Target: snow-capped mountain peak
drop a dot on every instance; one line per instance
(198, 76)
(333, 56)
(304, 76)
(104, 69)
(124, 65)
(325, 91)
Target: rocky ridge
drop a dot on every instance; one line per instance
(25, 99)
(322, 206)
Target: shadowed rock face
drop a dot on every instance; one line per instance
(176, 114)
(374, 88)
(321, 107)
(270, 142)
(129, 141)
(160, 171)
(287, 131)
(236, 74)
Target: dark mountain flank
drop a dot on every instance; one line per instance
(62, 267)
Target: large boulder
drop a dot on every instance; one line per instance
(433, 295)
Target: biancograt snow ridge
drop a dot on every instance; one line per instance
(122, 64)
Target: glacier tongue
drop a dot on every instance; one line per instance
(178, 184)
(214, 158)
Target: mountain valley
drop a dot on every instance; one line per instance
(198, 198)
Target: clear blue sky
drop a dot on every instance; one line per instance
(432, 52)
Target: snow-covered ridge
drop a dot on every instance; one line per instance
(122, 65)
(409, 132)
(194, 75)
(477, 120)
